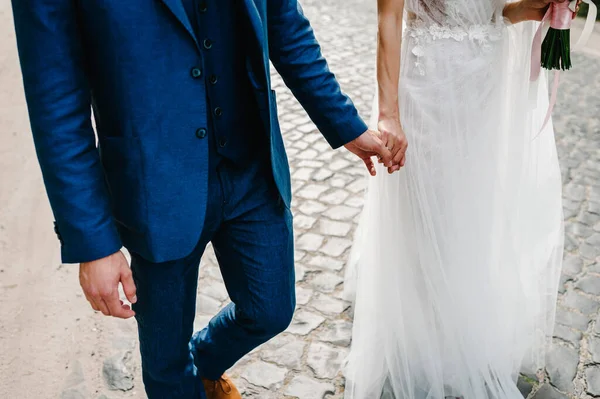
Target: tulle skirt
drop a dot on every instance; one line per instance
(457, 258)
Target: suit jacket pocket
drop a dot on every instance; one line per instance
(123, 168)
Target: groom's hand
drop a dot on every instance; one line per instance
(368, 145)
(100, 282)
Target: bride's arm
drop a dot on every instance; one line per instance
(389, 38)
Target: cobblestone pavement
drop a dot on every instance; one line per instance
(304, 362)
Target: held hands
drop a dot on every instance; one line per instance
(388, 145)
(394, 138)
(100, 283)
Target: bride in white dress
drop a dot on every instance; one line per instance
(457, 259)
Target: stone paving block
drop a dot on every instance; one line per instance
(572, 319)
(216, 291)
(328, 305)
(326, 282)
(587, 218)
(264, 375)
(322, 174)
(336, 246)
(300, 272)
(588, 251)
(303, 295)
(326, 262)
(303, 174)
(310, 242)
(202, 321)
(589, 284)
(339, 165)
(593, 240)
(312, 191)
(341, 213)
(303, 387)
(338, 332)
(336, 197)
(579, 230)
(594, 349)
(331, 228)
(585, 305)
(340, 180)
(574, 192)
(207, 305)
(562, 367)
(325, 360)
(304, 322)
(592, 376)
(548, 392)
(303, 222)
(285, 350)
(312, 208)
(572, 265)
(568, 334)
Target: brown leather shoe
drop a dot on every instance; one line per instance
(222, 388)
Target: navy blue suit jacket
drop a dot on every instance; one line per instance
(145, 184)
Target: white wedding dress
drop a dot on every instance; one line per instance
(455, 268)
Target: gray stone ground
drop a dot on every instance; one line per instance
(304, 362)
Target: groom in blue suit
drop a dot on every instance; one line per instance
(189, 152)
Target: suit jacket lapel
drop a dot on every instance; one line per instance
(178, 10)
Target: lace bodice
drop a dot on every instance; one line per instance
(454, 12)
(427, 21)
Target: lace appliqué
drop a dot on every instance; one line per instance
(424, 33)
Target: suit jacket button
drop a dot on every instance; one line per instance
(196, 72)
(218, 111)
(207, 44)
(201, 133)
(202, 7)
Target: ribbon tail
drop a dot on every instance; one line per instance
(588, 27)
(536, 49)
(553, 97)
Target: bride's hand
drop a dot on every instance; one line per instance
(531, 10)
(394, 139)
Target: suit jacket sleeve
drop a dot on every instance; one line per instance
(296, 54)
(59, 103)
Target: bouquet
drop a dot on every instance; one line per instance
(555, 51)
(556, 47)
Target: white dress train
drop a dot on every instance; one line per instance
(457, 258)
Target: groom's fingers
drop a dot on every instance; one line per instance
(384, 153)
(370, 166)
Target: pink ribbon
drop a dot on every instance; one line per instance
(561, 16)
